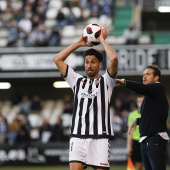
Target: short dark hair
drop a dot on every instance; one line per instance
(96, 53)
(156, 69)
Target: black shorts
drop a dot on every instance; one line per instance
(136, 151)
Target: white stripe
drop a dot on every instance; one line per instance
(83, 116)
(100, 127)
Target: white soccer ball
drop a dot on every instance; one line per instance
(91, 34)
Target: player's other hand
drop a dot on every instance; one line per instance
(82, 42)
(104, 33)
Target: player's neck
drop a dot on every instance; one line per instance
(93, 77)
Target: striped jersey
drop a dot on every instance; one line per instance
(91, 114)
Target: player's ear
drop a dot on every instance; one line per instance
(156, 78)
(100, 64)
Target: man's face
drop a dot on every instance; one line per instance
(148, 76)
(92, 66)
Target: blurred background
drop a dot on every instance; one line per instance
(36, 104)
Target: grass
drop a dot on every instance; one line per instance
(118, 167)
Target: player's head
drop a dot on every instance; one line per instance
(94, 52)
(93, 62)
(151, 74)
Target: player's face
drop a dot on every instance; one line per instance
(148, 76)
(92, 66)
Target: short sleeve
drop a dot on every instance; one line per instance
(110, 81)
(71, 77)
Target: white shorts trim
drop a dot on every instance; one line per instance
(94, 152)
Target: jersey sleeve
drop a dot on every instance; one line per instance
(153, 89)
(71, 77)
(110, 81)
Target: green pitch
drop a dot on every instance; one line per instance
(119, 167)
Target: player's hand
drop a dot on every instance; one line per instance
(82, 42)
(120, 82)
(132, 127)
(104, 33)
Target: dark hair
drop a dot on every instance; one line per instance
(157, 71)
(94, 52)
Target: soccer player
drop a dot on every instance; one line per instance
(154, 113)
(133, 145)
(91, 128)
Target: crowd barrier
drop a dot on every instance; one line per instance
(36, 153)
(55, 153)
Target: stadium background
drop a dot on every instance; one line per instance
(27, 49)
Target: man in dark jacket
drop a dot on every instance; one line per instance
(154, 113)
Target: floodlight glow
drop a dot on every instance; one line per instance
(5, 85)
(61, 84)
(164, 9)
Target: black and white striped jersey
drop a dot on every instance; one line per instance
(91, 114)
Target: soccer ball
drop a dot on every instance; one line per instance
(91, 34)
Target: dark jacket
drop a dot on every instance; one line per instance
(154, 109)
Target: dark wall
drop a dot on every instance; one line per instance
(38, 86)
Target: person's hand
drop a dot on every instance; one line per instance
(132, 127)
(120, 82)
(82, 42)
(104, 34)
(129, 151)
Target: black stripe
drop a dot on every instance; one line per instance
(102, 90)
(95, 110)
(75, 103)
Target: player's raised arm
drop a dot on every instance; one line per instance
(61, 56)
(112, 68)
